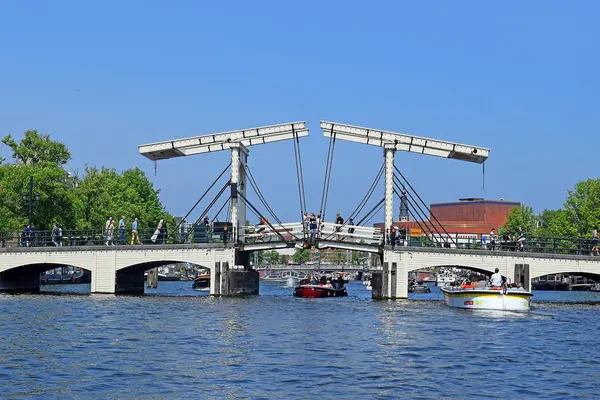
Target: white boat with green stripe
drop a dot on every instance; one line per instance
(488, 298)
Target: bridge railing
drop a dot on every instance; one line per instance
(264, 233)
(351, 233)
(99, 237)
(531, 244)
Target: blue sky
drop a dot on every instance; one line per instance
(519, 77)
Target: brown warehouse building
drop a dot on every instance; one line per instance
(470, 216)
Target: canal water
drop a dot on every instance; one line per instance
(177, 343)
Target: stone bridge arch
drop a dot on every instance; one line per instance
(130, 265)
(25, 276)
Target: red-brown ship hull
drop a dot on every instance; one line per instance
(314, 291)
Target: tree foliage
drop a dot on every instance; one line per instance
(555, 223)
(72, 202)
(36, 148)
(581, 213)
(582, 206)
(301, 256)
(272, 257)
(104, 193)
(520, 217)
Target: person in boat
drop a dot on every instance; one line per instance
(496, 279)
(340, 281)
(323, 280)
(328, 285)
(313, 280)
(467, 284)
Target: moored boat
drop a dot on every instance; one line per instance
(445, 279)
(418, 287)
(202, 282)
(486, 298)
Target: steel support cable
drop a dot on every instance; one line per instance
(412, 215)
(371, 212)
(259, 194)
(328, 165)
(255, 210)
(430, 213)
(212, 203)
(261, 197)
(380, 206)
(421, 214)
(299, 173)
(221, 209)
(358, 210)
(328, 181)
(364, 201)
(254, 185)
(424, 204)
(202, 197)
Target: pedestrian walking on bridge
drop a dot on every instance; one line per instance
(135, 237)
(122, 230)
(54, 234)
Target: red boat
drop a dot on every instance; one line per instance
(311, 291)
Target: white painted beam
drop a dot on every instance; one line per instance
(404, 142)
(222, 141)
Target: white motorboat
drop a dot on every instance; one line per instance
(445, 279)
(292, 281)
(486, 298)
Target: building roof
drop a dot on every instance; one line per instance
(471, 201)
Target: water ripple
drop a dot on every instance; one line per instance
(275, 346)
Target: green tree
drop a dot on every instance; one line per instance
(301, 256)
(37, 156)
(582, 206)
(520, 217)
(358, 258)
(36, 148)
(71, 201)
(555, 223)
(272, 257)
(104, 193)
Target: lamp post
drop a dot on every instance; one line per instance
(29, 200)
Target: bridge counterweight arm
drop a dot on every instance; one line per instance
(223, 141)
(404, 142)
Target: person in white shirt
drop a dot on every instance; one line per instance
(493, 239)
(496, 279)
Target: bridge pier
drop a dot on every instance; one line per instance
(391, 282)
(234, 280)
